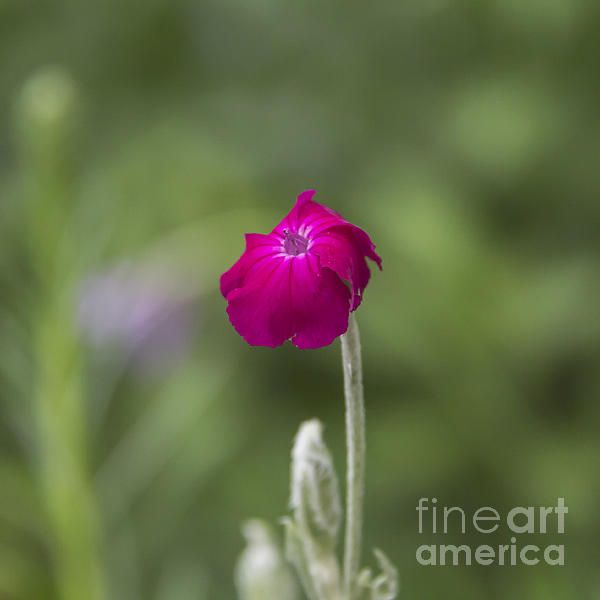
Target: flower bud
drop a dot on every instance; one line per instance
(261, 572)
(311, 534)
(315, 497)
(46, 111)
(46, 117)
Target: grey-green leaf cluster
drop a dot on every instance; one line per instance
(311, 535)
(383, 586)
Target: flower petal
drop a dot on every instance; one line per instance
(258, 247)
(291, 298)
(261, 310)
(321, 303)
(337, 252)
(367, 246)
(308, 217)
(341, 250)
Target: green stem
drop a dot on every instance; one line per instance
(355, 441)
(65, 477)
(47, 128)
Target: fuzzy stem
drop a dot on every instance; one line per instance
(355, 466)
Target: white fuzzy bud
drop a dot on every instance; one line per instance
(315, 500)
(315, 497)
(261, 572)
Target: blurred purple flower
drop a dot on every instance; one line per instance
(148, 312)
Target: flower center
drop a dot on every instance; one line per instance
(295, 244)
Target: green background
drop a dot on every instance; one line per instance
(463, 135)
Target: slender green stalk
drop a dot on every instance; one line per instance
(355, 466)
(64, 472)
(46, 117)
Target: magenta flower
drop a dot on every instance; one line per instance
(301, 281)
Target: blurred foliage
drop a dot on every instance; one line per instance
(462, 134)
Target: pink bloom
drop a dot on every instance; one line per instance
(301, 281)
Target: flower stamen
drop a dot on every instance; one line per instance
(294, 244)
